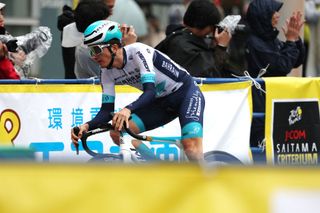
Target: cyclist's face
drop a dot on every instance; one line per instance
(101, 55)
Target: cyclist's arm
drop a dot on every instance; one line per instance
(143, 58)
(107, 103)
(148, 96)
(102, 117)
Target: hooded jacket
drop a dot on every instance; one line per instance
(263, 48)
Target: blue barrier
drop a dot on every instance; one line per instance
(97, 81)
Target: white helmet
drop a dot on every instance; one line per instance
(102, 32)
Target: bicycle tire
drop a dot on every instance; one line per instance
(221, 158)
(111, 158)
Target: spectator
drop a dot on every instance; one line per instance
(64, 19)
(264, 48)
(97, 9)
(236, 49)
(176, 12)
(155, 34)
(311, 38)
(7, 70)
(130, 13)
(23, 50)
(87, 12)
(189, 45)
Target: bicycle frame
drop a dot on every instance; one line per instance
(127, 150)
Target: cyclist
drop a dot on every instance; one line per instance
(168, 89)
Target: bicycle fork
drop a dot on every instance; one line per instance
(126, 148)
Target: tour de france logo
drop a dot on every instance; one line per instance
(9, 126)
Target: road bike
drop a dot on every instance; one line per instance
(133, 149)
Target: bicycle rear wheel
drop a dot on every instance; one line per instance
(216, 158)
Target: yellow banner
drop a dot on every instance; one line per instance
(52, 188)
(292, 120)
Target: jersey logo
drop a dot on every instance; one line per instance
(144, 61)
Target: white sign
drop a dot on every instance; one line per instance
(41, 117)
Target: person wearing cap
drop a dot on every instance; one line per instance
(7, 70)
(198, 45)
(168, 90)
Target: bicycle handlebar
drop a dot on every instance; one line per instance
(137, 136)
(104, 128)
(85, 135)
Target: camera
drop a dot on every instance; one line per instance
(12, 45)
(238, 28)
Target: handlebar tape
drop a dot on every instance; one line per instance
(76, 131)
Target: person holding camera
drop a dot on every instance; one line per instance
(23, 50)
(7, 70)
(198, 45)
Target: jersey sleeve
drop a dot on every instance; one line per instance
(107, 103)
(144, 61)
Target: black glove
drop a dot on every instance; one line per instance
(65, 18)
(12, 45)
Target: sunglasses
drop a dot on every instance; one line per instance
(97, 49)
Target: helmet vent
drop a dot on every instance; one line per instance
(93, 39)
(111, 28)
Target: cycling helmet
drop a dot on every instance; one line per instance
(102, 32)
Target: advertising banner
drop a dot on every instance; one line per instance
(292, 121)
(157, 188)
(41, 117)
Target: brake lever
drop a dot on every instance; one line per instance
(76, 131)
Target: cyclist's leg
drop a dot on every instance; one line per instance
(191, 120)
(155, 115)
(193, 148)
